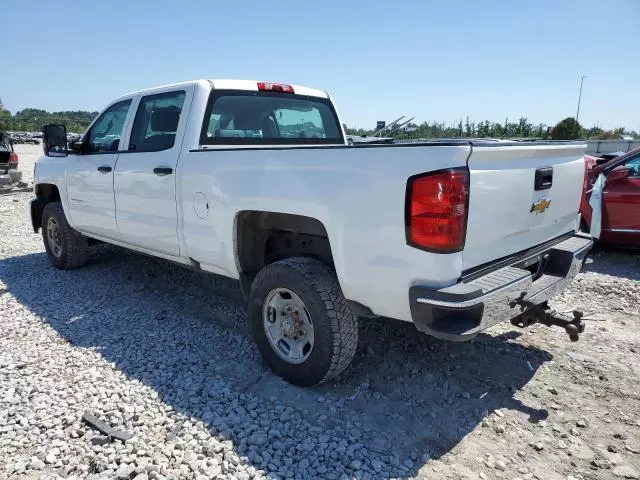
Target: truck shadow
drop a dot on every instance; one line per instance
(184, 334)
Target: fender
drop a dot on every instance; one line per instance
(49, 174)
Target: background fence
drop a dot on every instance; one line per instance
(610, 146)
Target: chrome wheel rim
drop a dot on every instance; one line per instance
(288, 325)
(54, 237)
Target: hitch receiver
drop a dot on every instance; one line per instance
(544, 315)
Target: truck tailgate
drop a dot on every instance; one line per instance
(520, 196)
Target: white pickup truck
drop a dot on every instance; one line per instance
(255, 181)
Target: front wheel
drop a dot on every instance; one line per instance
(301, 322)
(66, 248)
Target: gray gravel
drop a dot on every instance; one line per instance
(164, 353)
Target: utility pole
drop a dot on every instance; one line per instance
(580, 96)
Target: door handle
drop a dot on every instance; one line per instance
(163, 171)
(543, 179)
(104, 169)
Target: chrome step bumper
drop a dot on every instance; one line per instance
(463, 310)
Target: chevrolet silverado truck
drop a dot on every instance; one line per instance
(256, 181)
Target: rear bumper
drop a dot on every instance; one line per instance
(16, 175)
(463, 310)
(11, 169)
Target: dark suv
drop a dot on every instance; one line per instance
(8, 160)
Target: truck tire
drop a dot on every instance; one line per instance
(301, 322)
(66, 248)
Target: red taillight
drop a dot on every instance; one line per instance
(13, 158)
(437, 210)
(275, 87)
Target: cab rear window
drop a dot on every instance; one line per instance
(236, 117)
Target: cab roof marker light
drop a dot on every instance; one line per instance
(275, 87)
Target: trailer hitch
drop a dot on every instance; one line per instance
(546, 316)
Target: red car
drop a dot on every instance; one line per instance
(620, 197)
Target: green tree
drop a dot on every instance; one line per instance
(567, 129)
(33, 119)
(5, 117)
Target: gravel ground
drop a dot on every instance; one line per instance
(163, 352)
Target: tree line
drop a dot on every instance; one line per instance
(33, 119)
(566, 129)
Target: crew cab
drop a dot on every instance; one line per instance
(256, 181)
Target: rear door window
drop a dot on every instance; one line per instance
(269, 118)
(156, 123)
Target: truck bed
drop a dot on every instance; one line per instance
(469, 141)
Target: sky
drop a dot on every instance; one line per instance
(443, 60)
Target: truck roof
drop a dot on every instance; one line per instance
(230, 84)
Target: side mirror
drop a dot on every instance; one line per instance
(54, 140)
(618, 173)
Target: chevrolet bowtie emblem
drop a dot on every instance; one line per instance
(540, 206)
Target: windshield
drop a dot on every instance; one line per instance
(266, 118)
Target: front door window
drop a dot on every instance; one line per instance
(104, 135)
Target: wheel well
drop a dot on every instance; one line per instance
(266, 237)
(45, 193)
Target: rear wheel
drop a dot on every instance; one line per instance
(301, 322)
(66, 248)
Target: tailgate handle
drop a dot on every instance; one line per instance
(544, 178)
